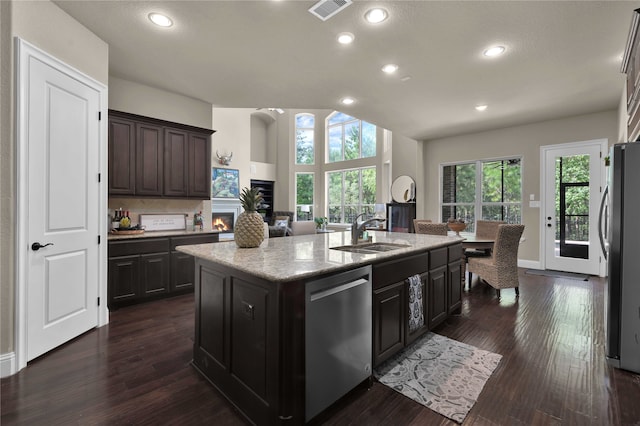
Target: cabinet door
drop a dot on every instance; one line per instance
(123, 279)
(175, 163)
(154, 273)
(437, 296)
(412, 335)
(389, 319)
(199, 166)
(122, 155)
(455, 287)
(149, 159)
(182, 271)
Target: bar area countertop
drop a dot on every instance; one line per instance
(300, 257)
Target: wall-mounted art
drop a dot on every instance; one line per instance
(225, 183)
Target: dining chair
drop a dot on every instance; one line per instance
(431, 228)
(303, 227)
(417, 221)
(501, 269)
(484, 229)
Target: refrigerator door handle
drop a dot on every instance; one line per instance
(603, 203)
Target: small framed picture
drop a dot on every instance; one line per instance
(225, 183)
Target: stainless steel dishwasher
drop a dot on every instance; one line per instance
(338, 334)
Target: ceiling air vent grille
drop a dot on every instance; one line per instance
(325, 9)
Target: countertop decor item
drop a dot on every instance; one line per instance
(403, 189)
(457, 225)
(249, 228)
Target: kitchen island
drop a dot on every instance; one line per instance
(253, 335)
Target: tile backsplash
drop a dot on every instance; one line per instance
(136, 206)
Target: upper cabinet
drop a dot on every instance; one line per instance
(156, 158)
(631, 67)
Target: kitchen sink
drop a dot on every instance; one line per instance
(370, 248)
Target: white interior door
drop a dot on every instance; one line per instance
(62, 143)
(572, 188)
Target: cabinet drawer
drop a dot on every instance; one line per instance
(193, 239)
(397, 270)
(438, 257)
(455, 252)
(152, 245)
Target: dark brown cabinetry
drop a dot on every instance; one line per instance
(454, 267)
(122, 156)
(631, 67)
(156, 158)
(390, 304)
(437, 286)
(150, 268)
(149, 160)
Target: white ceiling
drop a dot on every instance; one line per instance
(563, 57)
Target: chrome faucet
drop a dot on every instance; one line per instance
(356, 230)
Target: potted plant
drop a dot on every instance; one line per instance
(321, 222)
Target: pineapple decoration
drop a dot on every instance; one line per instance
(249, 228)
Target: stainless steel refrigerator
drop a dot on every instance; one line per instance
(620, 238)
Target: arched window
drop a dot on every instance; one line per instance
(349, 138)
(304, 138)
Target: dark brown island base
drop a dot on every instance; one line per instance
(287, 329)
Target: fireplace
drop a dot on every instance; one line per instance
(222, 221)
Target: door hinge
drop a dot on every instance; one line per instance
(99, 115)
(99, 177)
(98, 239)
(98, 301)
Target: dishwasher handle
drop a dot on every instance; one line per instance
(321, 294)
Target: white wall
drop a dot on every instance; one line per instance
(46, 26)
(233, 133)
(521, 141)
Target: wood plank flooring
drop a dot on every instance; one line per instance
(136, 371)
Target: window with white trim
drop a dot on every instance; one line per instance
(304, 196)
(304, 138)
(349, 138)
(350, 193)
(491, 187)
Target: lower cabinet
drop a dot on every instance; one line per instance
(437, 286)
(440, 288)
(148, 268)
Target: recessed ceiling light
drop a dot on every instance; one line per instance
(494, 51)
(347, 101)
(481, 107)
(376, 15)
(345, 38)
(390, 68)
(160, 19)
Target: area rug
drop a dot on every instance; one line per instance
(442, 374)
(557, 274)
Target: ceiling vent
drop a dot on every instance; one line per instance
(325, 9)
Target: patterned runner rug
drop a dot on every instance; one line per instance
(442, 374)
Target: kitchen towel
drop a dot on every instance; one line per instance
(416, 311)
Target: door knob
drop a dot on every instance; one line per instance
(37, 246)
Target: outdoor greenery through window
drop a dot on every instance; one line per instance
(351, 192)
(350, 138)
(572, 198)
(304, 139)
(493, 188)
(304, 196)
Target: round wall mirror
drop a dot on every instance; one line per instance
(403, 189)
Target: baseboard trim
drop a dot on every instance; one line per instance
(529, 264)
(7, 364)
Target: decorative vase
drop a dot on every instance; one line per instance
(457, 227)
(248, 231)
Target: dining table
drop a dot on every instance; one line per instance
(474, 242)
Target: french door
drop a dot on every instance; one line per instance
(572, 184)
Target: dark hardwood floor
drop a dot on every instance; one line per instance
(136, 371)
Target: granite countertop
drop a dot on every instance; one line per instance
(152, 234)
(297, 257)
